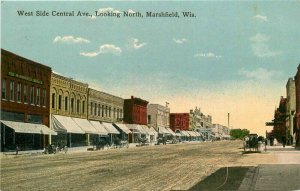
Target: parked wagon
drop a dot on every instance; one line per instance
(251, 142)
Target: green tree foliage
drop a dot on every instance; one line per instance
(239, 133)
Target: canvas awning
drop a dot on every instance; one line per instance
(99, 127)
(136, 128)
(65, 124)
(178, 134)
(185, 133)
(153, 130)
(110, 128)
(85, 125)
(32, 128)
(123, 127)
(171, 131)
(149, 131)
(163, 130)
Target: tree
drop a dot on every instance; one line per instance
(239, 133)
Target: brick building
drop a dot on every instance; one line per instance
(297, 114)
(135, 111)
(25, 90)
(179, 121)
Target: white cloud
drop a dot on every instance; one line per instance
(260, 46)
(262, 18)
(180, 41)
(70, 39)
(259, 74)
(104, 49)
(134, 43)
(207, 55)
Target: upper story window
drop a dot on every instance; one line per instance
(83, 106)
(99, 109)
(19, 91)
(72, 104)
(59, 102)
(66, 103)
(102, 111)
(95, 109)
(3, 95)
(78, 106)
(91, 110)
(44, 98)
(38, 96)
(53, 101)
(32, 95)
(25, 93)
(12, 90)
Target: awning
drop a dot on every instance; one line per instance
(163, 130)
(178, 134)
(197, 133)
(110, 128)
(171, 131)
(146, 128)
(65, 124)
(185, 133)
(32, 128)
(99, 127)
(123, 127)
(153, 130)
(136, 128)
(85, 125)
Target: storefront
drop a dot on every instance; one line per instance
(25, 136)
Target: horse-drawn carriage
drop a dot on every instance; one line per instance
(251, 142)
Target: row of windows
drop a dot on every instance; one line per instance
(24, 93)
(105, 111)
(60, 106)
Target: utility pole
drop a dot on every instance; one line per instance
(228, 120)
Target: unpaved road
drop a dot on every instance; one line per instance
(164, 167)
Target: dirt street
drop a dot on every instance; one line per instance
(163, 167)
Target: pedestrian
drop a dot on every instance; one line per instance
(283, 139)
(275, 142)
(17, 149)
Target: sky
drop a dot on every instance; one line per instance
(228, 57)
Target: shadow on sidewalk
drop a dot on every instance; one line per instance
(222, 179)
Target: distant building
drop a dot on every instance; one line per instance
(290, 109)
(199, 120)
(179, 121)
(135, 111)
(158, 116)
(25, 90)
(279, 128)
(220, 131)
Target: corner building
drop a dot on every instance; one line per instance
(25, 87)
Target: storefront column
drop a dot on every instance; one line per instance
(70, 139)
(88, 139)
